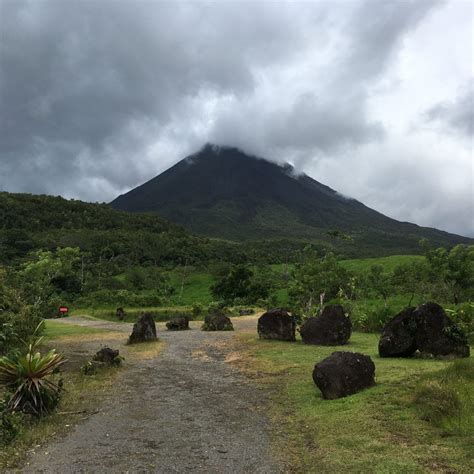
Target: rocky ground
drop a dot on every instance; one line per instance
(183, 410)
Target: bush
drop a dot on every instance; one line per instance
(28, 379)
(463, 316)
(117, 298)
(10, 424)
(18, 321)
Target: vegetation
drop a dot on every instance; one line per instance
(28, 380)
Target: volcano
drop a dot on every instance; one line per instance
(222, 192)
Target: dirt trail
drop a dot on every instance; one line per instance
(185, 410)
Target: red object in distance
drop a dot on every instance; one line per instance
(63, 309)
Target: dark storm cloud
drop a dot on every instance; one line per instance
(458, 114)
(97, 97)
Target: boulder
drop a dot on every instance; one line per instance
(343, 373)
(120, 314)
(277, 324)
(437, 334)
(178, 323)
(144, 329)
(331, 328)
(217, 322)
(426, 329)
(246, 312)
(107, 356)
(398, 337)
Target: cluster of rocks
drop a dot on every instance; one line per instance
(426, 329)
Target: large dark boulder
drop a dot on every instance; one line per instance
(331, 328)
(437, 334)
(217, 322)
(144, 329)
(179, 323)
(398, 337)
(426, 329)
(107, 356)
(276, 324)
(343, 373)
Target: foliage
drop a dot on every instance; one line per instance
(18, 320)
(29, 380)
(240, 283)
(11, 424)
(452, 269)
(463, 316)
(314, 281)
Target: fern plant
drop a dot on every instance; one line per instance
(28, 378)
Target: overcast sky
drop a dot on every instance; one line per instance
(374, 98)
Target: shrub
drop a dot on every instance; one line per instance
(463, 316)
(197, 310)
(10, 424)
(28, 378)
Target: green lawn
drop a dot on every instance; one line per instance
(196, 287)
(377, 430)
(54, 329)
(388, 263)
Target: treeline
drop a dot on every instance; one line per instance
(29, 223)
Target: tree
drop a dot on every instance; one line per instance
(380, 282)
(454, 269)
(314, 281)
(239, 283)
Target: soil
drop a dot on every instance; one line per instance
(183, 410)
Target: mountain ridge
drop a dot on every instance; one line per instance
(223, 192)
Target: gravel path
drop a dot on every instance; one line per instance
(185, 410)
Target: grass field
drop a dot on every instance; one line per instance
(377, 430)
(388, 263)
(54, 329)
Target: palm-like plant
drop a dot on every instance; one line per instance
(28, 377)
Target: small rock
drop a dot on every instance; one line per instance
(277, 324)
(343, 373)
(178, 323)
(120, 314)
(107, 356)
(246, 312)
(217, 322)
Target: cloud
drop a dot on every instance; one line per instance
(457, 114)
(98, 97)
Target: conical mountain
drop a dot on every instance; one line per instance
(223, 192)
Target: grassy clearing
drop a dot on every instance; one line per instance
(377, 430)
(55, 329)
(388, 263)
(160, 314)
(190, 288)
